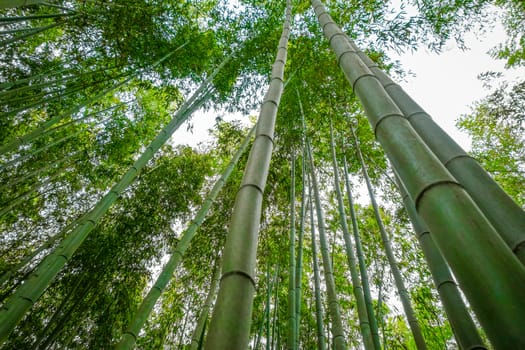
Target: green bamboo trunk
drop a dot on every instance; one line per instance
(352, 261)
(292, 331)
(321, 337)
(463, 326)
(491, 276)
(338, 337)
(398, 278)
(361, 261)
(230, 322)
(203, 317)
(141, 315)
(507, 217)
(25, 296)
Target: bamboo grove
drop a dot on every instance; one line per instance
(341, 217)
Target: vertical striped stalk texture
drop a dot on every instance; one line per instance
(352, 261)
(321, 337)
(292, 332)
(141, 315)
(398, 278)
(299, 259)
(361, 260)
(25, 296)
(507, 217)
(203, 317)
(489, 273)
(338, 337)
(231, 319)
(463, 326)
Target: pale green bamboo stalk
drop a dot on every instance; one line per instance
(398, 278)
(12, 19)
(205, 310)
(507, 217)
(141, 315)
(20, 140)
(321, 337)
(338, 337)
(362, 313)
(275, 307)
(299, 261)
(25, 296)
(464, 328)
(230, 322)
(491, 276)
(292, 331)
(361, 260)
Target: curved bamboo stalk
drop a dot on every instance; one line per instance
(491, 276)
(362, 313)
(230, 322)
(141, 315)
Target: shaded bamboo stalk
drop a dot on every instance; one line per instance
(361, 261)
(507, 217)
(491, 276)
(141, 315)
(25, 296)
(338, 338)
(362, 313)
(321, 337)
(230, 322)
(398, 278)
(464, 328)
(291, 341)
(198, 333)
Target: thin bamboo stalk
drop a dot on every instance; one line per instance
(362, 314)
(321, 337)
(400, 284)
(338, 337)
(491, 276)
(25, 296)
(292, 325)
(141, 315)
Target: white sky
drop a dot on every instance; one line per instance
(445, 85)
